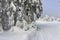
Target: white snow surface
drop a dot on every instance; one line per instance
(45, 31)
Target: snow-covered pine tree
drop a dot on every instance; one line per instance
(4, 16)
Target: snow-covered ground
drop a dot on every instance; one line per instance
(46, 31)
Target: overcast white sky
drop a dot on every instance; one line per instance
(51, 7)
